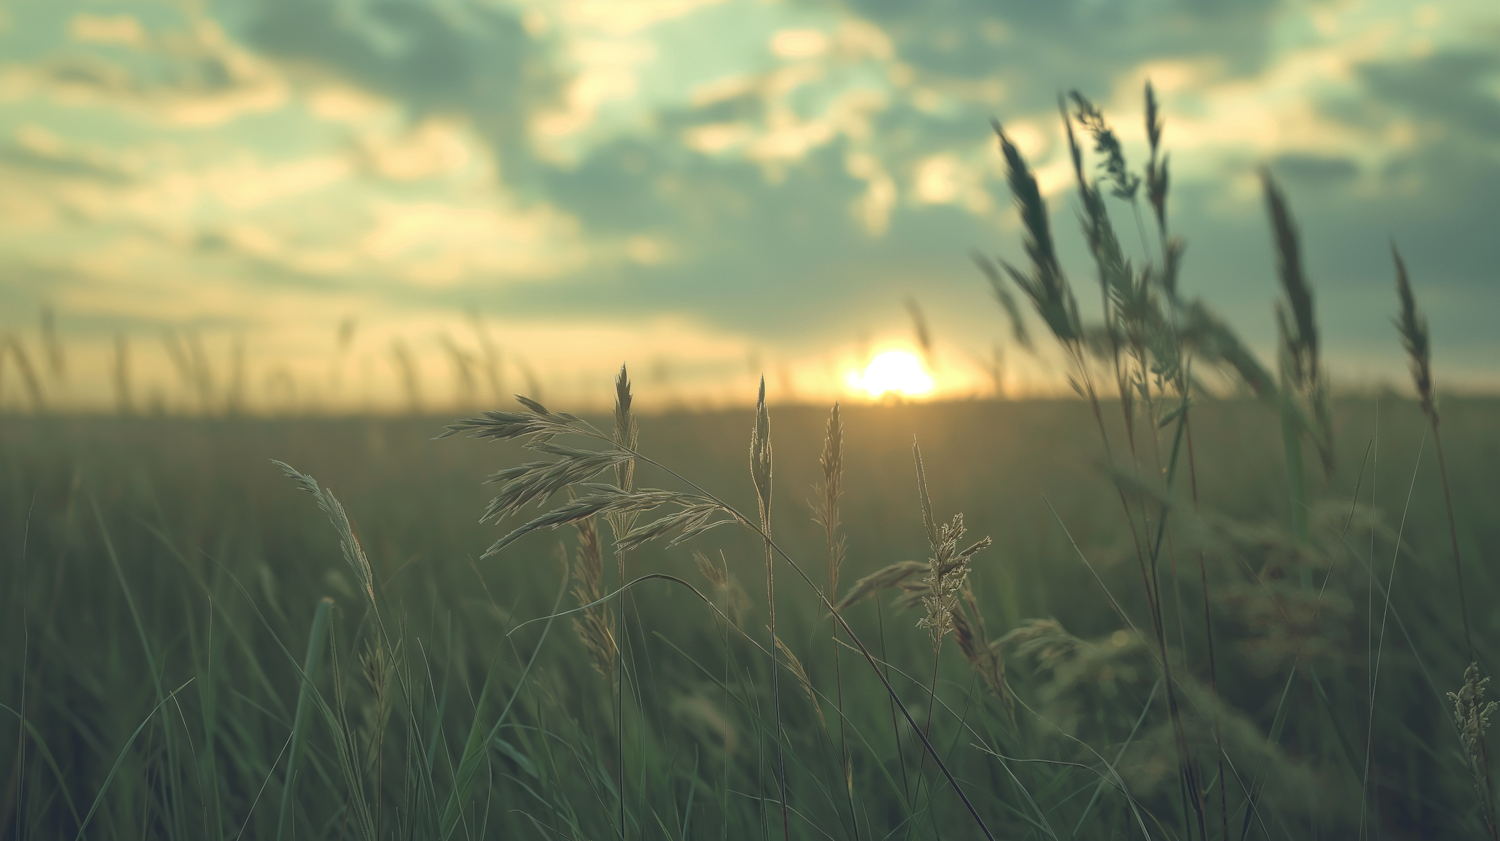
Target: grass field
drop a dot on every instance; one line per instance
(1147, 612)
(162, 578)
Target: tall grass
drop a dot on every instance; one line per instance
(193, 662)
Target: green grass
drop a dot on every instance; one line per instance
(183, 668)
(1182, 629)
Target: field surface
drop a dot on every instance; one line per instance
(162, 589)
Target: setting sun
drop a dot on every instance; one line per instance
(894, 371)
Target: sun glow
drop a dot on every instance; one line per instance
(893, 372)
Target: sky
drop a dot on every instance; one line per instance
(335, 205)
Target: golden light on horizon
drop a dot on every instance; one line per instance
(893, 372)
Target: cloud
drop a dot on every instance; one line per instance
(442, 243)
(194, 75)
(1455, 89)
(1038, 48)
(463, 58)
(41, 152)
(434, 148)
(1316, 170)
(107, 29)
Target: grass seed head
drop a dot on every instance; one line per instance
(794, 666)
(826, 510)
(985, 657)
(1212, 339)
(1002, 294)
(760, 456)
(627, 432)
(536, 423)
(1099, 232)
(1126, 183)
(1415, 338)
(947, 568)
(354, 554)
(1472, 714)
(1299, 328)
(609, 500)
(1157, 177)
(882, 579)
(1470, 709)
(1074, 153)
(1046, 285)
(595, 627)
(732, 597)
(1304, 338)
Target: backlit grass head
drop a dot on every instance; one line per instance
(1045, 284)
(948, 566)
(1415, 338)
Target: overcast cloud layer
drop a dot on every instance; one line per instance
(332, 190)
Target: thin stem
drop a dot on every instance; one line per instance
(620, 697)
(838, 677)
(1458, 568)
(1385, 613)
(1463, 612)
(937, 651)
(1140, 228)
(1296, 477)
(1208, 629)
(379, 778)
(786, 830)
(1189, 776)
(895, 730)
(1135, 537)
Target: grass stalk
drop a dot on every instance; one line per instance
(302, 719)
(760, 473)
(1047, 288)
(832, 462)
(1208, 627)
(1416, 339)
(626, 434)
(1296, 472)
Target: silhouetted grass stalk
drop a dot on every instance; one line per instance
(1157, 184)
(1303, 402)
(1416, 341)
(1047, 288)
